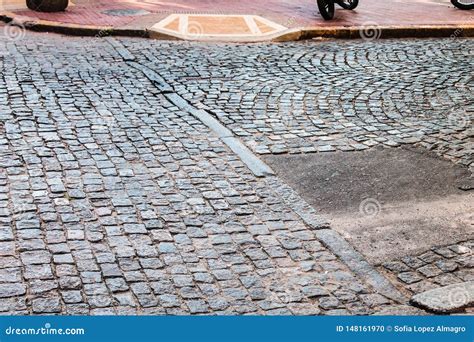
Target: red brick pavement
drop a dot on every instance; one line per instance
(292, 14)
(83, 15)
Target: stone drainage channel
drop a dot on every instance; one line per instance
(332, 239)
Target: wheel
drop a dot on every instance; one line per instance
(463, 4)
(47, 5)
(326, 8)
(348, 4)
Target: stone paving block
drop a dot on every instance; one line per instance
(12, 290)
(446, 299)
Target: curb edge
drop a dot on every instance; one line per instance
(295, 34)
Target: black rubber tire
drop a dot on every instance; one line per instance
(326, 8)
(463, 6)
(47, 5)
(348, 4)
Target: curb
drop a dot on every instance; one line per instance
(253, 162)
(357, 264)
(70, 29)
(371, 31)
(333, 241)
(301, 208)
(255, 165)
(368, 32)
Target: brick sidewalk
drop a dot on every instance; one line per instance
(289, 14)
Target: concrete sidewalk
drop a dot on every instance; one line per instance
(246, 20)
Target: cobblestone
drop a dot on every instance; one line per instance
(441, 266)
(114, 201)
(331, 96)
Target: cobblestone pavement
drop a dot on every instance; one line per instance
(440, 266)
(114, 201)
(307, 97)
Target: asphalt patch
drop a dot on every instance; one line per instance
(340, 181)
(388, 203)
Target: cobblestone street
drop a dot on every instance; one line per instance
(440, 266)
(114, 200)
(306, 97)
